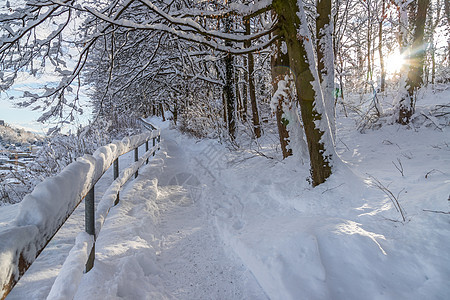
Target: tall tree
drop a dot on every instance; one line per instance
(381, 19)
(415, 61)
(251, 83)
(294, 28)
(340, 22)
(447, 16)
(434, 19)
(325, 56)
(228, 87)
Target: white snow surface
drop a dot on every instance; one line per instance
(201, 222)
(41, 212)
(66, 283)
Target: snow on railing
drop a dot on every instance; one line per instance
(47, 207)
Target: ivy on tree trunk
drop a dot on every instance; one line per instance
(280, 68)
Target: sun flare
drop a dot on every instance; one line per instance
(394, 63)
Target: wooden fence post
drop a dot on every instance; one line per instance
(154, 143)
(116, 174)
(89, 221)
(146, 150)
(136, 158)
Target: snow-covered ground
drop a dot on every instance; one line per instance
(159, 242)
(203, 222)
(40, 277)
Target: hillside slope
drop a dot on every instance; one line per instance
(12, 135)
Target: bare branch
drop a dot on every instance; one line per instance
(391, 196)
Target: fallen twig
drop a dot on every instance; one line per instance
(391, 196)
(432, 171)
(332, 188)
(399, 167)
(434, 123)
(437, 211)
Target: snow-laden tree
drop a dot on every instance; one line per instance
(130, 24)
(294, 28)
(414, 50)
(325, 56)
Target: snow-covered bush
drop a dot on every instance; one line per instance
(202, 120)
(377, 109)
(59, 150)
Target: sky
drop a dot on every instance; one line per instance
(21, 118)
(26, 118)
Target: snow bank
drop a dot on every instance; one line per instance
(343, 239)
(109, 197)
(66, 284)
(45, 209)
(73, 267)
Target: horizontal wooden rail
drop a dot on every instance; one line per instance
(47, 207)
(148, 125)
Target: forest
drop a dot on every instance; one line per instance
(226, 69)
(303, 149)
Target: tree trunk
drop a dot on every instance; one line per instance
(175, 112)
(279, 68)
(228, 88)
(246, 80)
(282, 131)
(244, 92)
(224, 105)
(447, 15)
(416, 62)
(433, 65)
(295, 30)
(325, 57)
(251, 86)
(380, 47)
(161, 108)
(434, 20)
(360, 62)
(237, 94)
(369, 41)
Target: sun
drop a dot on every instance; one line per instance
(394, 63)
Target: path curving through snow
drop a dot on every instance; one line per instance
(203, 222)
(160, 243)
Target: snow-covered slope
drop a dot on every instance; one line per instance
(158, 243)
(343, 239)
(10, 135)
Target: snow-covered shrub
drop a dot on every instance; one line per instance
(201, 119)
(376, 110)
(59, 150)
(15, 184)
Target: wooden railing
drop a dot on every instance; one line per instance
(50, 204)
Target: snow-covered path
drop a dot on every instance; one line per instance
(203, 222)
(159, 242)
